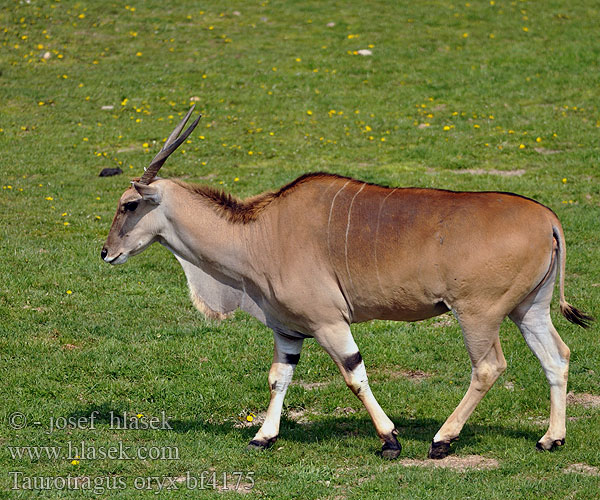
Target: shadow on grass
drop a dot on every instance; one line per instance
(340, 428)
(325, 428)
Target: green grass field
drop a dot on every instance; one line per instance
(485, 95)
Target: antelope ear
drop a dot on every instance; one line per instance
(147, 192)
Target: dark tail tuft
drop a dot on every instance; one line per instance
(576, 316)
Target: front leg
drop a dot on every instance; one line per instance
(340, 345)
(285, 359)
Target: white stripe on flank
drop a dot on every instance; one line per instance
(330, 213)
(348, 230)
(375, 241)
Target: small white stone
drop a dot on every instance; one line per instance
(110, 107)
(330, 25)
(364, 52)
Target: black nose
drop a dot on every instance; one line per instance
(103, 253)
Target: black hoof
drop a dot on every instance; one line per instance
(556, 444)
(440, 450)
(391, 450)
(255, 444)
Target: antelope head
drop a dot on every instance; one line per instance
(138, 220)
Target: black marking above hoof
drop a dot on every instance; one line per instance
(555, 444)
(255, 444)
(439, 450)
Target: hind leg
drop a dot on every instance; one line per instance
(488, 363)
(532, 317)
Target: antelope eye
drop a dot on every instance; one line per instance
(131, 206)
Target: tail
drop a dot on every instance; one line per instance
(570, 312)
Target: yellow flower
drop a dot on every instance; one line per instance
(49, 198)
(525, 29)
(465, 35)
(236, 179)
(138, 54)
(81, 16)
(250, 153)
(69, 292)
(145, 145)
(564, 180)
(475, 126)
(139, 415)
(539, 139)
(74, 462)
(66, 223)
(309, 112)
(446, 127)
(521, 146)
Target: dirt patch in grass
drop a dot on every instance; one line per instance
(470, 462)
(584, 399)
(391, 374)
(255, 420)
(585, 469)
(298, 415)
(544, 151)
(309, 386)
(344, 411)
(492, 171)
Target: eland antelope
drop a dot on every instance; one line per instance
(326, 251)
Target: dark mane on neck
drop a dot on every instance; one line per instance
(245, 211)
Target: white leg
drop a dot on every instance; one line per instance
(285, 359)
(533, 319)
(340, 345)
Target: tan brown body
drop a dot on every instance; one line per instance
(408, 253)
(326, 251)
